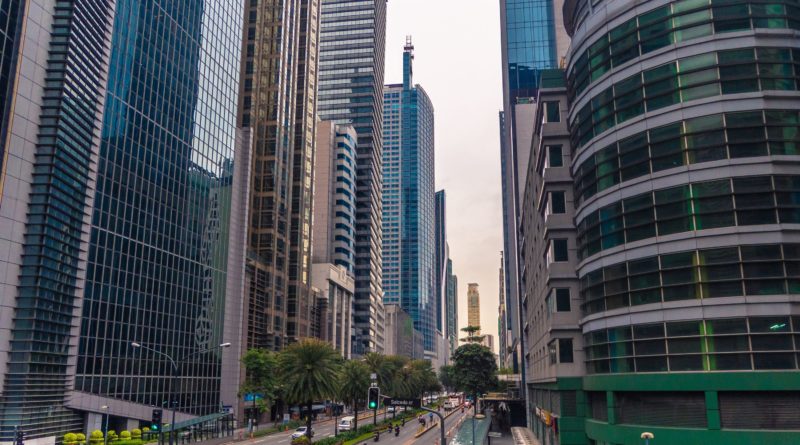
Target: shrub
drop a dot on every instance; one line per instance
(96, 438)
(81, 438)
(70, 438)
(136, 433)
(302, 440)
(329, 441)
(125, 435)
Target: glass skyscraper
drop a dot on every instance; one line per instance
(117, 212)
(352, 35)
(529, 43)
(160, 224)
(409, 242)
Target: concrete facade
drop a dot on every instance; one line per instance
(401, 336)
(335, 286)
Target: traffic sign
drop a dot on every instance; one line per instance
(413, 403)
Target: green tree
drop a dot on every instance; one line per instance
(472, 334)
(260, 367)
(381, 367)
(475, 369)
(447, 377)
(310, 371)
(353, 385)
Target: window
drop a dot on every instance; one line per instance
(558, 202)
(565, 350)
(558, 301)
(554, 156)
(552, 112)
(749, 270)
(559, 250)
(562, 300)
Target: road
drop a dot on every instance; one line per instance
(326, 429)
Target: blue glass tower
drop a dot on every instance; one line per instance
(529, 43)
(409, 242)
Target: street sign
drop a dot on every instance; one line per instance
(249, 397)
(495, 434)
(413, 403)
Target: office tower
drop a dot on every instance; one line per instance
(442, 254)
(473, 306)
(279, 63)
(334, 195)
(488, 341)
(451, 308)
(682, 143)
(409, 218)
(351, 65)
(300, 302)
(402, 338)
(334, 227)
(502, 324)
(334, 287)
(532, 38)
(553, 359)
(125, 185)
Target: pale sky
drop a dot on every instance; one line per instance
(457, 62)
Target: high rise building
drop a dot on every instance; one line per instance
(409, 217)
(334, 227)
(267, 105)
(502, 323)
(402, 338)
(451, 308)
(442, 254)
(473, 305)
(533, 38)
(666, 196)
(351, 64)
(335, 195)
(279, 65)
(300, 301)
(120, 205)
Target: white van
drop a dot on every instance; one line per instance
(346, 423)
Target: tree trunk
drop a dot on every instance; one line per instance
(308, 421)
(355, 416)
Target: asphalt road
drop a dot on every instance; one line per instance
(326, 429)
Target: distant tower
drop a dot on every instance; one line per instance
(473, 305)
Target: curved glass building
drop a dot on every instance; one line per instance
(684, 124)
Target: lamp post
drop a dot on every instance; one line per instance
(647, 436)
(105, 429)
(172, 384)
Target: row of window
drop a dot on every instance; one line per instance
(690, 78)
(697, 345)
(692, 141)
(748, 200)
(768, 269)
(674, 23)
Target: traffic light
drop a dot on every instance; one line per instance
(156, 420)
(373, 397)
(19, 437)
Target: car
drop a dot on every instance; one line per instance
(300, 432)
(346, 423)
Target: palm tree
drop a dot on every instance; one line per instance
(353, 385)
(378, 365)
(310, 371)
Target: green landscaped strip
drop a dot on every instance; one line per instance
(359, 439)
(694, 381)
(631, 435)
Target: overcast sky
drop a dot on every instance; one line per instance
(457, 61)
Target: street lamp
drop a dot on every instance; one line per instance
(105, 432)
(647, 436)
(172, 384)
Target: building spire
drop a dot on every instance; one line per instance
(408, 61)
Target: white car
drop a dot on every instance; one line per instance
(300, 432)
